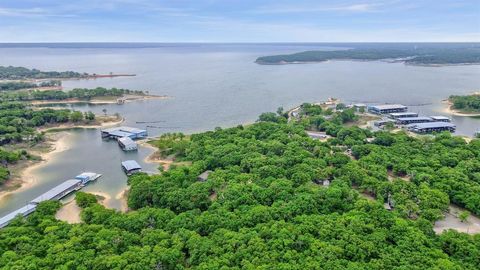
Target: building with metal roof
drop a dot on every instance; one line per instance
(127, 144)
(131, 166)
(59, 191)
(383, 122)
(432, 127)
(24, 211)
(119, 132)
(403, 114)
(387, 108)
(440, 118)
(413, 120)
(204, 176)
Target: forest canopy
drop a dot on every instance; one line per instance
(467, 103)
(21, 73)
(413, 55)
(265, 204)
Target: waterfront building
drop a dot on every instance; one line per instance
(383, 122)
(131, 167)
(413, 120)
(59, 191)
(127, 144)
(119, 132)
(432, 127)
(403, 115)
(440, 118)
(24, 211)
(387, 108)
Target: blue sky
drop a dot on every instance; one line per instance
(239, 20)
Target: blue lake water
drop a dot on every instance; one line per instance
(219, 85)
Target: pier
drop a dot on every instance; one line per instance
(56, 193)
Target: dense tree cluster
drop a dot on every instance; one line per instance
(79, 93)
(264, 205)
(470, 103)
(18, 85)
(18, 73)
(18, 121)
(7, 158)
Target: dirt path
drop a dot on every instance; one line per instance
(451, 221)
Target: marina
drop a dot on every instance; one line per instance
(56, 193)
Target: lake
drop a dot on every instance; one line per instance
(218, 85)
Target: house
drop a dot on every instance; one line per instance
(127, 144)
(204, 176)
(131, 167)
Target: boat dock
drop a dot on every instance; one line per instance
(56, 193)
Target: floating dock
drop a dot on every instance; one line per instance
(431, 127)
(55, 193)
(127, 144)
(131, 167)
(387, 108)
(119, 132)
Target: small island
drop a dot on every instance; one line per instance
(412, 56)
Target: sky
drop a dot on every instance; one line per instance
(239, 21)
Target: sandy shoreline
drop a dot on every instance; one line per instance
(58, 143)
(75, 126)
(447, 108)
(97, 101)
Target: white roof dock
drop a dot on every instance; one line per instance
(389, 106)
(131, 165)
(403, 114)
(127, 142)
(66, 186)
(440, 118)
(432, 125)
(24, 211)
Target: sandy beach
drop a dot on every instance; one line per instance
(70, 213)
(67, 126)
(447, 108)
(59, 142)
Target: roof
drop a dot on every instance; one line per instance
(22, 211)
(131, 165)
(56, 190)
(204, 176)
(88, 176)
(127, 141)
(439, 117)
(124, 129)
(433, 125)
(403, 113)
(414, 118)
(119, 133)
(388, 106)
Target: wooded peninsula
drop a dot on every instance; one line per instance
(412, 56)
